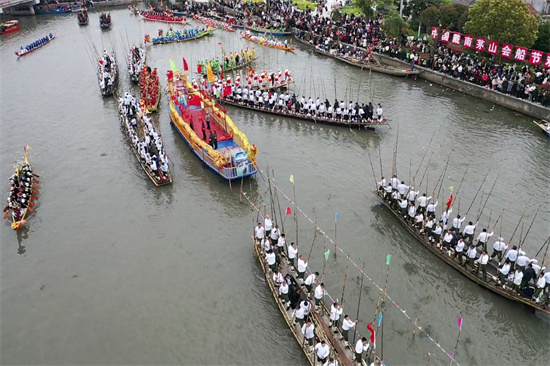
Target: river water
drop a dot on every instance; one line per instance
(112, 270)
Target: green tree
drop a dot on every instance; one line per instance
(506, 21)
(415, 7)
(450, 14)
(543, 41)
(430, 17)
(393, 23)
(366, 6)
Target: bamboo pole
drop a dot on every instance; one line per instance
(479, 189)
(359, 302)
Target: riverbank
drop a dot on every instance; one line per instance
(504, 100)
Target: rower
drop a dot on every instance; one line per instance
(347, 324)
(322, 351)
(422, 202)
(468, 232)
(319, 295)
(471, 254)
(302, 266)
(401, 187)
(259, 232)
(308, 331)
(483, 260)
(483, 238)
(431, 208)
(512, 256)
(459, 250)
(457, 223)
(499, 247)
(360, 347)
(522, 260)
(335, 312)
(292, 253)
(283, 294)
(503, 273)
(310, 280)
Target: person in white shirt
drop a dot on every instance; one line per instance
(403, 204)
(445, 216)
(503, 273)
(483, 260)
(274, 235)
(422, 203)
(431, 208)
(266, 244)
(411, 195)
(319, 294)
(522, 260)
(310, 280)
(541, 284)
(299, 315)
(512, 256)
(268, 224)
(518, 278)
(308, 331)
(395, 182)
(402, 188)
(457, 223)
(281, 244)
(388, 192)
(292, 253)
(483, 238)
(360, 347)
(459, 250)
(419, 220)
(302, 266)
(322, 351)
(468, 232)
(382, 184)
(278, 278)
(335, 312)
(499, 247)
(471, 254)
(306, 305)
(271, 260)
(332, 362)
(259, 232)
(283, 293)
(411, 212)
(436, 234)
(448, 239)
(379, 112)
(347, 324)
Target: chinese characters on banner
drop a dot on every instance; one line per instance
(480, 44)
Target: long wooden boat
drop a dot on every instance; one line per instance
(270, 32)
(82, 17)
(23, 194)
(108, 88)
(339, 351)
(167, 40)
(263, 43)
(164, 19)
(139, 131)
(137, 57)
(282, 85)
(25, 51)
(214, 23)
(315, 119)
(234, 157)
(544, 126)
(230, 69)
(388, 70)
(491, 284)
(9, 27)
(149, 90)
(105, 21)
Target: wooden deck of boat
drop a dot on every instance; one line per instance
(339, 352)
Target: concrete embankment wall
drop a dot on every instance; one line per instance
(513, 103)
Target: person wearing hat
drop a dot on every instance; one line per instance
(512, 256)
(499, 247)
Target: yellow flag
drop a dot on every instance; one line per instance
(210, 74)
(173, 66)
(292, 178)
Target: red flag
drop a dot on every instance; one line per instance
(450, 201)
(369, 327)
(185, 66)
(288, 211)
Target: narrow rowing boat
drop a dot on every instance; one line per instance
(267, 43)
(9, 26)
(35, 45)
(149, 90)
(137, 56)
(182, 37)
(156, 17)
(544, 126)
(105, 21)
(306, 117)
(214, 23)
(448, 257)
(23, 193)
(82, 17)
(107, 74)
(227, 150)
(219, 70)
(270, 32)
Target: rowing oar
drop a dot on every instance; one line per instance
(34, 191)
(517, 226)
(505, 207)
(531, 225)
(487, 200)
(545, 242)
(479, 189)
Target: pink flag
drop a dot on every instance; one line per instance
(459, 323)
(288, 211)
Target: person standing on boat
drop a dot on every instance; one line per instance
(215, 140)
(271, 260)
(379, 112)
(308, 331)
(402, 188)
(422, 203)
(298, 313)
(278, 278)
(512, 256)
(403, 204)
(319, 295)
(447, 239)
(430, 209)
(522, 260)
(499, 247)
(259, 232)
(468, 232)
(281, 242)
(445, 217)
(529, 274)
(310, 281)
(471, 254)
(361, 346)
(459, 250)
(483, 260)
(322, 351)
(483, 238)
(302, 266)
(457, 223)
(347, 324)
(518, 279)
(274, 234)
(541, 283)
(503, 273)
(292, 254)
(283, 294)
(268, 224)
(411, 195)
(335, 313)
